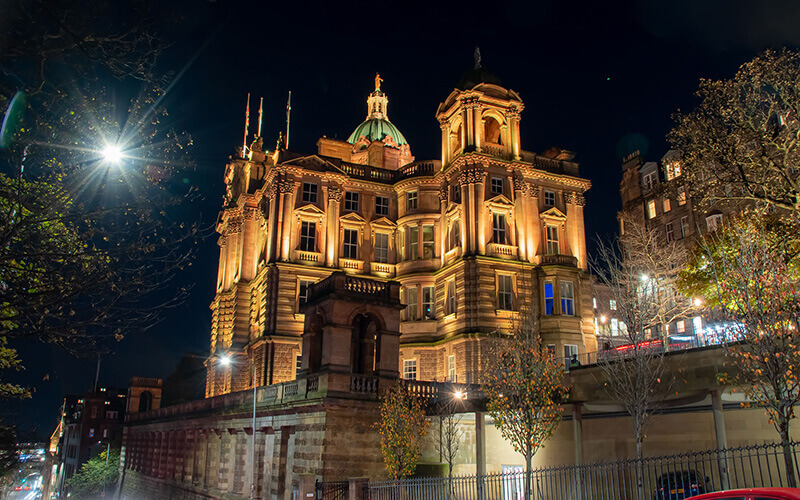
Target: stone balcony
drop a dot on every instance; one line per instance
(304, 257)
(351, 266)
(502, 251)
(382, 269)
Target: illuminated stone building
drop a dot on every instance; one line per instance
(477, 239)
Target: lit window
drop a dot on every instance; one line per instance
(105, 433)
(382, 205)
(614, 327)
(411, 200)
(713, 222)
(410, 369)
(680, 326)
(684, 226)
(91, 433)
(697, 325)
(505, 292)
(455, 234)
(351, 201)
(673, 170)
(651, 209)
(681, 195)
(308, 236)
(451, 297)
(548, 298)
(302, 291)
(413, 243)
(298, 365)
(552, 240)
(451, 368)
(427, 242)
(381, 247)
(594, 302)
(411, 303)
(497, 185)
(569, 351)
(427, 302)
(567, 298)
(499, 228)
(550, 198)
(670, 232)
(667, 205)
(612, 304)
(309, 192)
(350, 244)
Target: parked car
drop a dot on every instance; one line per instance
(754, 494)
(677, 485)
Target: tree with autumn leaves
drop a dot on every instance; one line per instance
(755, 284)
(525, 392)
(402, 427)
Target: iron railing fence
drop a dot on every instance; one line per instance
(332, 490)
(670, 477)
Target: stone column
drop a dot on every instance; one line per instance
(722, 439)
(272, 226)
(534, 223)
(520, 219)
(480, 212)
(513, 116)
(468, 226)
(445, 127)
(443, 225)
(332, 231)
(480, 450)
(469, 126)
(477, 124)
(287, 190)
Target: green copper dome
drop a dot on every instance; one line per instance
(375, 129)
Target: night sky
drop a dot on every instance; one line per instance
(598, 78)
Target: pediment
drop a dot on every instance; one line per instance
(313, 162)
(352, 218)
(553, 213)
(309, 210)
(383, 222)
(500, 199)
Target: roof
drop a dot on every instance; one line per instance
(376, 129)
(476, 76)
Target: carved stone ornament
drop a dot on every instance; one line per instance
(580, 200)
(285, 186)
(443, 192)
(472, 175)
(271, 191)
(250, 213)
(533, 190)
(334, 194)
(520, 184)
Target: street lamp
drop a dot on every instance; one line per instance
(226, 360)
(105, 472)
(112, 153)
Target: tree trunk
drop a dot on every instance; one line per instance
(449, 479)
(639, 468)
(788, 458)
(528, 485)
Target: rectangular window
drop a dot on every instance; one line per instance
(91, 433)
(569, 351)
(105, 433)
(670, 232)
(382, 205)
(649, 181)
(309, 192)
(614, 327)
(651, 209)
(411, 303)
(411, 200)
(684, 226)
(681, 195)
(697, 325)
(552, 240)
(667, 205)
(410, 369)
(94, 412)
(497, 185)
(413, 243)
(505, 292)
(428, 303)
(350, 249)
(308, 236)
(451, 297)
(455, 234)
(612, 304)
(427, 242)
(455, 193)
(381, 247)
(548, 298)
(713, 222)
(351, 201)
(567, 298)
(680, 327)
(499, 228)
(451, 368)
(298, 365)
(550, 198)
(302, 291)
(594, 302)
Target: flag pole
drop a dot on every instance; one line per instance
(288, 118)
(260, 111)
(246, 126)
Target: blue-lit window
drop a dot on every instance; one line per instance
(548, 298)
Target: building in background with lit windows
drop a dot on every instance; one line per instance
(478, 238)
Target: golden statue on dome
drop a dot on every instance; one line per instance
(378, 81)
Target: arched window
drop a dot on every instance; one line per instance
(365, 345)
(455, 140)
(145, 401)
(491, 131)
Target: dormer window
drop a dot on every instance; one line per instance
(497, 185)
(649, 181)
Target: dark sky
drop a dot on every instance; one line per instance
(597, 78)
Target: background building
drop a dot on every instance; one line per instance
(478, 239)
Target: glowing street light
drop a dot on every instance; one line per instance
(112, 153)
(644, 278)
(226, 360)
(460, 394)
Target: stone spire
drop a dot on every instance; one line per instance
(377, 102)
